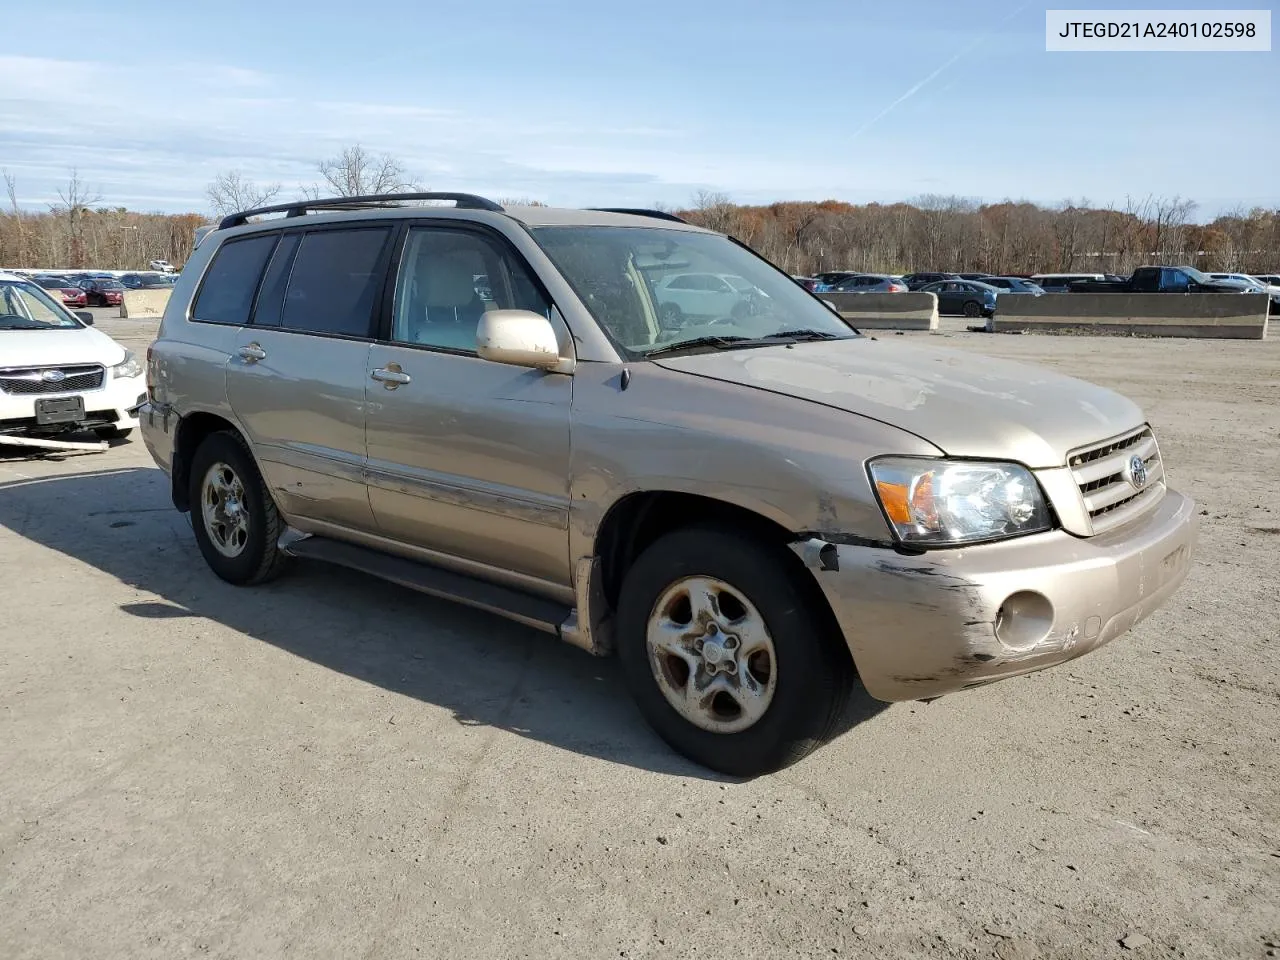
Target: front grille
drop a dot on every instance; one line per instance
(28, 380)
(1102, 472)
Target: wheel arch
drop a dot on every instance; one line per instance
(191, 431)
(638, 519)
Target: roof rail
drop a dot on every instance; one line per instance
(298, 208)
(640, 212)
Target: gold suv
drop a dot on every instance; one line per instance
(643, 438)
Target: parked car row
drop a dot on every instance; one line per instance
(974, 294)
(99, 289)
(969, 295)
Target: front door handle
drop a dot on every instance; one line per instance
(391, 376)
(252, 353)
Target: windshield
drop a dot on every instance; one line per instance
(1196, 275)
(657, 288)
(24, 306)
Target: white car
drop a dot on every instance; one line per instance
(58, 375)
(1260, 284)
(163, 266)
(706, 295)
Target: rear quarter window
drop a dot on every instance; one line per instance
(227, 292)
(336, 277)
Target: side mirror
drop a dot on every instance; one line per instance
(85, 317)
(521, 338)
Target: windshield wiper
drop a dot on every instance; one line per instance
(719, 342)
(801, 335)
(724, 343)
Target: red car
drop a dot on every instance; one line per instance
(72, 296)
(100, 292)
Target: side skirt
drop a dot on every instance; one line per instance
(540, 613)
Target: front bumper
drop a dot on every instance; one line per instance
(114, 404)
(920, 626)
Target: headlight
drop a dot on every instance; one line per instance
(130, 366)
(949, 502)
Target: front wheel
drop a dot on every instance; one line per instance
(236, 523)
(972, 309)
(727, 652)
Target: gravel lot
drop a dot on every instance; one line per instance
(331, 766)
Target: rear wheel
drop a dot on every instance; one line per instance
(972, 308)
(727, 654)
(236, 523)
(671, 314)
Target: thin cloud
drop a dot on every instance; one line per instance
(978, 41)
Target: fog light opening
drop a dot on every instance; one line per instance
(1024, 619)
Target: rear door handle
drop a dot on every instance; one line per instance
(391, 376)
(252, 353)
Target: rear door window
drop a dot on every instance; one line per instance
(335, 282)
(232, 280)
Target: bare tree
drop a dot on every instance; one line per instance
(716, 210)
(76, 201)
(231, 192)
(1171, 216)
(11, 187)
(355, 172)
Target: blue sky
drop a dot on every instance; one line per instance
(580, 103)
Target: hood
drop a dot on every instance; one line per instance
(50, 348)
(963, 403)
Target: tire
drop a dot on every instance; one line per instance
(805, 677)
(240, 549)
(670, 313)
(112, 433)
(972, 309)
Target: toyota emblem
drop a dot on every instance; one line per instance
(1137, 472)
(53, 376)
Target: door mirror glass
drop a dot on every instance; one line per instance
(521, 338)
(85, 317)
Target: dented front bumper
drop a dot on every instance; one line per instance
(920, 626)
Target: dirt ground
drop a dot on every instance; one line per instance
(331, 766)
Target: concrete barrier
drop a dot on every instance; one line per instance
(145, 304)
(887, 311)
(1227, 316)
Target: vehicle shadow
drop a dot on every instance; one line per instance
(484, 669)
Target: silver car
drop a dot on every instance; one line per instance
(754, 511)
(868, 283)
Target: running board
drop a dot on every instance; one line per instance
(536, 612)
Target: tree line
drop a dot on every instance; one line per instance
(81, 231)
(955, 234)
(929, 232)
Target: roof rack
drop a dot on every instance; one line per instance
(640, 212)
(298, 208)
